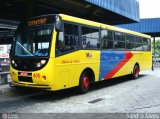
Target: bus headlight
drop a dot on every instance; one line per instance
(38, 65)
(43, 62)
(15, 65)
(13, 62)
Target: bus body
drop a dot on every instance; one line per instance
(59, 51)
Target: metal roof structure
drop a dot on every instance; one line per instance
(149, 26)
(7, 31)
(128, 9)
(104, 11)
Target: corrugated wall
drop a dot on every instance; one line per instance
(127, 8)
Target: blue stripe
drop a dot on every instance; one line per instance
(109, 60)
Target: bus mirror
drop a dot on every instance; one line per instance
(59, 26)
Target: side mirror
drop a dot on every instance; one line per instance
(59, 25)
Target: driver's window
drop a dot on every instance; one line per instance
(68, 40)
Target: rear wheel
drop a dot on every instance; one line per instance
(84, 83)
(136, 72)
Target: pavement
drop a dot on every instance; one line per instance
(4, 88)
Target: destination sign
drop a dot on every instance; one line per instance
(37, 22)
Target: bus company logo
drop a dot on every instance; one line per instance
(4, 116)
(88, 54)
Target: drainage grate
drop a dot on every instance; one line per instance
(96, 100)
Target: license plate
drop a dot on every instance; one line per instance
(24, 73)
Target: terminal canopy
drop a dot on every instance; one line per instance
(105, 11)
(148, 26)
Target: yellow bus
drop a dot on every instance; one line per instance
(56, 52)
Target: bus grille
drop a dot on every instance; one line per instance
(25, 79)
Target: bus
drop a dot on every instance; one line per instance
(58, 51)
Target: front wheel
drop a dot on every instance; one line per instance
(135, 72)
(84, 83)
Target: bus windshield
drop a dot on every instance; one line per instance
(33, 41)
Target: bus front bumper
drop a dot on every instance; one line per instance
(32, 85)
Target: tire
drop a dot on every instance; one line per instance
(84, 83)
(135, 72)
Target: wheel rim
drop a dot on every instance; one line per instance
(136, 72)
(85, 82)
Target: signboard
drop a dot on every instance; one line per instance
(4, 55)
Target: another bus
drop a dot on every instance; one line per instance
(56, 52)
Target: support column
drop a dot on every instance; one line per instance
(154, 54)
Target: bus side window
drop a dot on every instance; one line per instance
(129, 42)
(106, 39)
(90, 38)
(119, 40)
(138, 44)
(71, 37)
(146, 44)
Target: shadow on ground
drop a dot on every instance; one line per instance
(62, 94)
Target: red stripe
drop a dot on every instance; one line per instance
(120, 65)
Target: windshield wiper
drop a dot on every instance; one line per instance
(19, 44)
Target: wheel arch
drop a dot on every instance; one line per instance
(136, 70)
(90, 73)
(137, 65)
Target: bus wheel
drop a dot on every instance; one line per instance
(84, 83)
(136, 72)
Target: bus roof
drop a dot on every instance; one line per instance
(96, 24)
